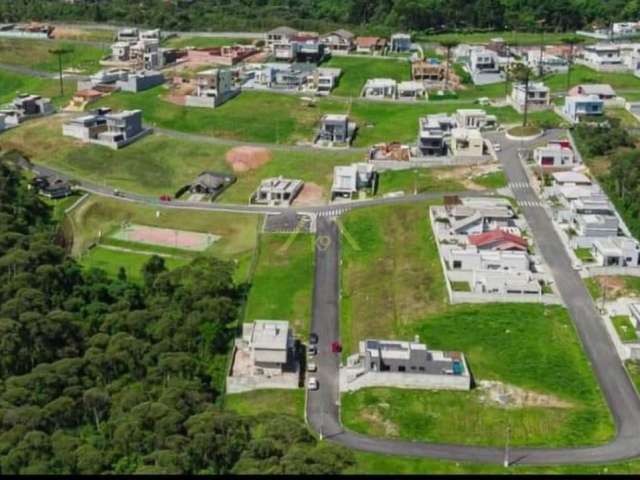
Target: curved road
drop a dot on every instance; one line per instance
(323, 411)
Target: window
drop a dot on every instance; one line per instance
(401, 368)
(413, 367)
(457, 264)
(421, 369)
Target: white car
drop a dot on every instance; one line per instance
(497, 147)
(312, 350)
(312, 367)
(313, 383)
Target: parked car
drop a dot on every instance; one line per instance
(312, 350)
(313, 338)
(165, 198)
(497, 147)
(118, 193)
(312, 367)
(336, 347)
(313, 383)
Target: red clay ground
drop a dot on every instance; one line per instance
(243, 159)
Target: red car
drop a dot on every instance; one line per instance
(336, 347)
(165, 198)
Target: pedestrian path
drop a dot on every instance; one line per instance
(333, 212)
(530, 203)
(519, 185)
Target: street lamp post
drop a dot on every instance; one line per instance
(60, 52)
(506, 447)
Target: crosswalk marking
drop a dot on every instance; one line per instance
(530, 203)
(333, 212)
(519, 185)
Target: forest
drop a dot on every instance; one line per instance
(383, 16)
(100, 375)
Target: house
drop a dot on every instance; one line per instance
(550, 63)
(52, 187)
(103, 127)
(400, 42)
(335, 129)
(596, 225)
(498, 45)
(570, 178)
(128, 35)
(323, 79)
(370, 45)
(279, 35)
(432, 132)
(340, 41)
(227, 55)
(482, 60)
(634, 309)
(475, 118)
(428, 71)
(603, 57)
(467, 220)
(400, 364)
(472, 258)
(616, 252)
(505, 282)
(580, 107)
(213, 88)
(602, 91)
(498, 240)
(211, 183)
(380, 88)
(411, 90)
(624, 29)
(32, 105)
(140, 81)
(467, 142)
(555, 155)
(265, 356)
(348, 180)
(536, 95)
(276, 192)
(307, 49)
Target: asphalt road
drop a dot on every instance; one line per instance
(322, 405)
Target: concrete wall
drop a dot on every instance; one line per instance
(403, 380)
(629, 271)
(249, 383)
(470, 297)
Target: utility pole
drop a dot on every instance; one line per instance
(541, 62)
(506, 447)
(60, 52)
(506, 72)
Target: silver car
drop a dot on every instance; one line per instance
(313, 383)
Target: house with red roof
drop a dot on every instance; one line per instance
(498, 240)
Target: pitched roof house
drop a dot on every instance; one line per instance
(498, 240)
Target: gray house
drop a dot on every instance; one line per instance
(277, 192)
(211, 183)
(335, 129)
(113, 130)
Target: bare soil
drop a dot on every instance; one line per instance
(243, 159)
(510, 396)
(311, 194)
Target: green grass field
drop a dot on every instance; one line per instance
(630, 287)
(633, 367)
(204, 42)
(393, 287)
(493, 180)
(260, 402)
(104, 215)
(421, 180)
(282, 285)
(514, 38)
(35, 54)
(625, 329)
(13, 84)
(581, 74)
(357, 70)
(584, 254)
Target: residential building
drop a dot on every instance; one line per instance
(498, 240)
(555, 155)
(276, 192)
(582, 107)
(411, 90)
(213, 88)
(340, 41)
(128, 35)
(570, 178)
(28, 105)
(335, 129)
(467, 142)
(279, 35)
(52, 187)
(596, 225)
(432, 132)
(498, 45)
(428, 71)
(400, 42)
(140, 81)
(505, 282)
(616, 252)
(380, 88)
(471, 259)
(349, 180)
(308, 49)
(3, 125)
(323, 80)
(550, 63)
(536, 95)
(227, 55)
(603, 56)
(602, 91)
(482, 60)
(211, 183)
(400, 364)
(471, 217)
(103, 127)
(624, 29)
(370, 45)
(475, 118)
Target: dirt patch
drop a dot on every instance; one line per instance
(389, 428)
(243, 159)
(69, 33)
(614, 286)
(510, 396)
(311, 194)
(465, 175)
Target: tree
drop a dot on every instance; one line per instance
(521, 73)
(448, 44)
(151, 269)
(571, 41)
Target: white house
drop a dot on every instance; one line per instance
(616, 251)
(380, 88)
(470, 258)
(537, 96)
(474, 118)
(555, 155)
(467, 142)
(603, 57)
(580, 107)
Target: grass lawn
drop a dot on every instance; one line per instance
(627, 119)
(421, 179)
(35, 54)
(259, 402)
(393, 287)
(238, 232)
(159, 165)
(584, 254)
(460, 286)
(633, 367)
(13, 84)
(519, 38)
(357, 70)
(583, 74)
(526, 131)
(616, 287)
(111, 261)
(282, 285)
(204, 42)
(626, 331)
(493, 180)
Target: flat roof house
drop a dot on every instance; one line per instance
(335, 129)
(432, 133)
(473, 259)
(324, 79)
(393, 363)
(340, 41)
(276, 192)
(32, 105)
(580, 107)
(370, 45)
(616, 252)
(555, 155)
(140, 81)
(348, 180)
(537, 96)
(270, 342)
(213, 88)
(603, 56)
(400, 42)
(571, 178)
(412, 90)
(482, 60)
(380, 88)
(103, 127)
(596, 226)
(475, 118)
(52, 186)
(308, 49)
(467, 142)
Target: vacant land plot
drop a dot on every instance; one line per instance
(205, 42)
(282, 284)
(83, 34)
(393, 287)
(613, 287)
(357, 70)
(35, 54)
(624, 327)
(99, 216)
(260, 402)
(493, 180)
(582, 74)
(514, 38)
(13, 84)
(418, 181)
(161, 165)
